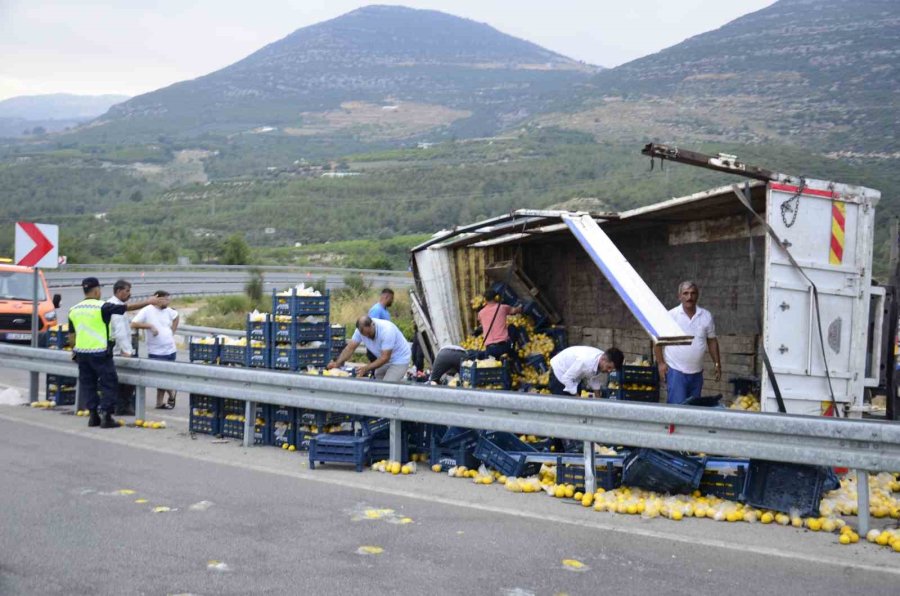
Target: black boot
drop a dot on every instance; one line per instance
(108, 421)
(94, 419)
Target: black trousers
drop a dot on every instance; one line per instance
(98, 372)
(556, 386)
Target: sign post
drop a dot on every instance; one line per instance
(37, 246)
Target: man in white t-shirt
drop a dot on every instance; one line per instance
(161, 322)
(386, 342)
(682, 366)
(582, 364)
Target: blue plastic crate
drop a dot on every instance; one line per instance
(233, 428)
(205, 414)
(317, 357)
(258, 357)
(208, 353)
(59, 337)
(455, 435)
(789, 488)
(284, 358)
(283, 425)
(336, 348)
(259, 330)
(60, 390)
(505, 453)
(607, 473)
(472, 376)
(537, 362)
(518, 335)
(725, 478)
(459, 454)
(558, 335)
(230, 354)
(338, 332)
(506, 293)
(646, 376)
(534, 310)
(662, 471)
(340, 448)
(306, 332)
(300, 306)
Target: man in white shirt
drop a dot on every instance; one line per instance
(161, 322)
(578, 364)
(386, 342)
(120, 333)
(682, 366)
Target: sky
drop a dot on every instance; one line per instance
(135, 46)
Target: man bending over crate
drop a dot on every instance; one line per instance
(682, 366)
(578, 364)
(386, 342)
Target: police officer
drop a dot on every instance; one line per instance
(89, 321)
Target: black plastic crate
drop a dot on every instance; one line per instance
(208, 353)
(662, 471)
(456, 435)
(506, 293)
(259, 330)
(232, 354)
(635, 383)
(558, 335)
(518, 335)
(607, 473)
(725, 478)
(789, 488)
(300, 306)
(205, 414)
(258, 357)
(537, 362)
(537, 313)
(472, 376)
(283, 425)
(505, 453)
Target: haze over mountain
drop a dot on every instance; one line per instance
(815, 72)
(51, 112)
(380, 71)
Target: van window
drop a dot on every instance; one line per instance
(19, 286)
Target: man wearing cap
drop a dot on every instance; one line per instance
(89, 321)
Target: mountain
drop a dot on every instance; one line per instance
(378, 72)
(50, 113)
(820, 73)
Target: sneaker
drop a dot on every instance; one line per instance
(109, 421)
(94, 419)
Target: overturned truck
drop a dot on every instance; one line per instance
(784, 264)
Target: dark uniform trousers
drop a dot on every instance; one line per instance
(98, 371)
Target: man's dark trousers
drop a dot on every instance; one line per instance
(98, 371)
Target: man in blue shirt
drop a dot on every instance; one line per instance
(379, 310)
(386, 342)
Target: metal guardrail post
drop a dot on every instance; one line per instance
(140, 402)
(862, 501)
(249, 422)
(590, 483)
(395, 443)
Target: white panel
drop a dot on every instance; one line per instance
(433, 265)
(634, 292)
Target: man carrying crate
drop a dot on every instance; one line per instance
(386, 341)
(582, 363)
(681, 367)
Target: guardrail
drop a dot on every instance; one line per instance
(862, 445)
(264, 268)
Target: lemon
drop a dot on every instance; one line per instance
(767, 518)
(157, 425)
(436, 468)
(527, 488)
(883, 538)
(162, 424)
(631, 509)
(797, 522)
(488, 480)
(844, 539)
(570, 491)
(828, 525)
(292, 448)
(854, 537)
(501, 479)
(395, 468)
(404, 470)
(587, 499)
(599, 506)
(560, 491)
(896, 546)
(137, 422)
(622, 508)
(676, 515)
(577, 496)
(284, 446)
(813, 524)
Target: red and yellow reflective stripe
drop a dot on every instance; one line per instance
(838, 216)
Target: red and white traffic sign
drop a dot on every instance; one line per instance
(37, 245)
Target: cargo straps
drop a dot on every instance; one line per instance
(743, 195)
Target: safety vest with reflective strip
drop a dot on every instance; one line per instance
(91, 333)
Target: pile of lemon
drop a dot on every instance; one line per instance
(149, 424)
(395, 467)
(749, 403)
(203, 340)
(288, 447)
(888, 537)
(477, 302)
(882, 501)
(538, 344)
(45, 404)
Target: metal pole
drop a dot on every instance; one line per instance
(590, 483)
(35, 375)
(396, 432)
(249, 422)
(862, 501)
(140, 402)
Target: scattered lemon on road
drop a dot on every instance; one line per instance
(574, 565)
(370, 550)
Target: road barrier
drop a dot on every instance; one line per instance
(863, 445)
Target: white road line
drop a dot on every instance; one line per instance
(543, 517)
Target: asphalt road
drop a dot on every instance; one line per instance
(259, 521)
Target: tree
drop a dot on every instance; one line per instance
(235, 251)
(136, 197)
(254, 286)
